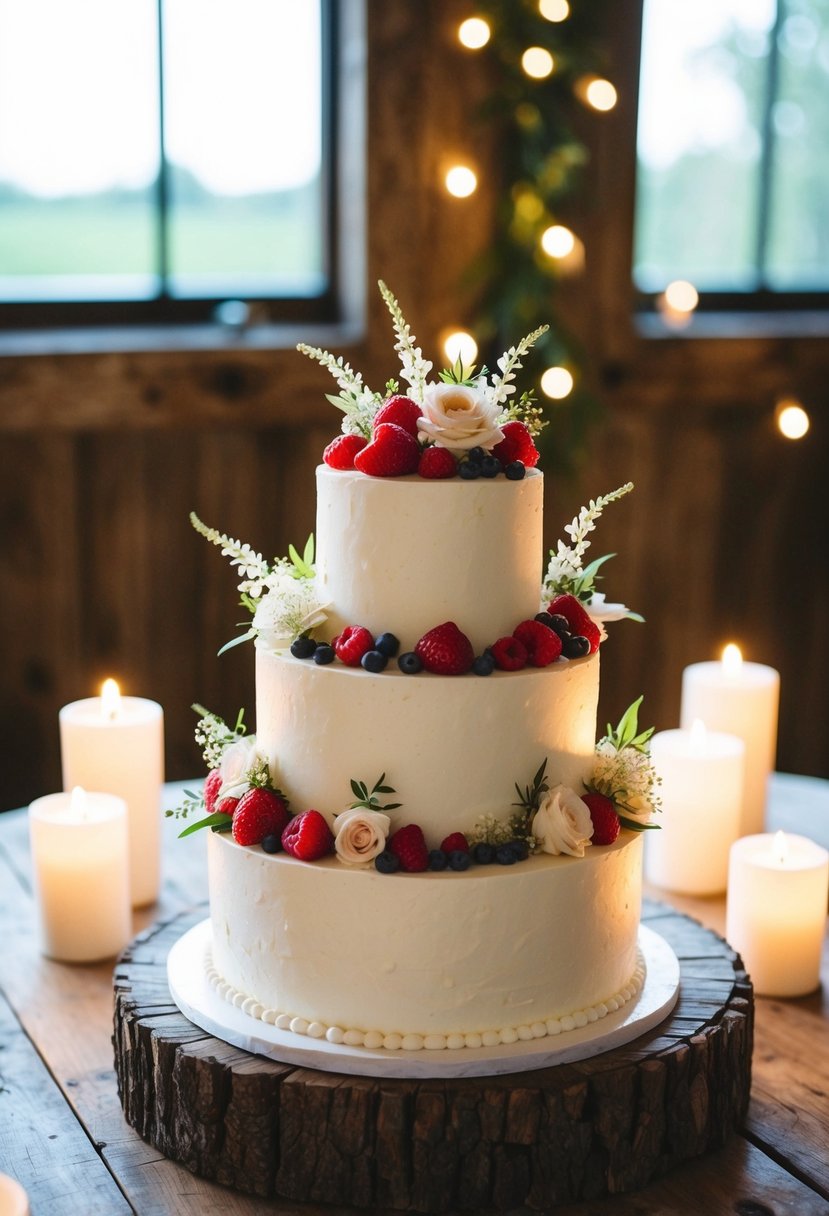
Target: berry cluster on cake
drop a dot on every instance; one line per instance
(497, 897)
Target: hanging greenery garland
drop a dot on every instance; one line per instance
(545, 60)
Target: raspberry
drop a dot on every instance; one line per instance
(543, 645)
(455, 843)
(445, 651)
(402, 411)
(212, 785)
(352, 644)
(341, 451)
(307, 836)
(227, 806)
(392, 452)
(437, 463)
(517, 444)
(578, 620)
(409, 846)
(260, 813)
(509, 654)
(606, 825)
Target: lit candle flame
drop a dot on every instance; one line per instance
(732, 659)
(780, 848)
(79, 803)
(110, 699)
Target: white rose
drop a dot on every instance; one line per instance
(237, 761)
(459, 417)
(562, 823)
(359, 835)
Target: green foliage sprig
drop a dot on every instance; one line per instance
(369, 799)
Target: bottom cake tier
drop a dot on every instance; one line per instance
(434, 959)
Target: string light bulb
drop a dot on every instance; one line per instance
(458, 344)
(554, 10)
(557, 241)
(792, 420)
(537, 62)
(474, 33)
(557, 383)
(677, 303)
(596, 92)
(461, 181)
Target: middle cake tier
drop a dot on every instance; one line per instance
(452, 747)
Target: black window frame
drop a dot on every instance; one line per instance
(761, 299)
(165, 310)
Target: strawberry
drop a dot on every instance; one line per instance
(402, 411)
(212, 785)
(392, 452)
(259, 813)
(606, 825)
(352, 644)
(409, 846)
(445, 651)
(437, 463)
(227, 806)
(307, 836)
(341, 451)
(455, 843)
(509, 654)
(578, 620)
(543, 645)
(517, 444)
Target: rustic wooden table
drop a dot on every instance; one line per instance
(63, 1135)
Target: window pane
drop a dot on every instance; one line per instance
(78, 149)
(702, 89)
(243, 136)
(799, 236)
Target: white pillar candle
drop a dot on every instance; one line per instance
(741, 699)
(778, 886)
(81, 875)
(13, 1200)
(701, 791)
(116, 744)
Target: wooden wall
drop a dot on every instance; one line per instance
(103, 455)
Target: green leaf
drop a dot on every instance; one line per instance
(635, 826)
(244, 637)
(358, 790)
(308, 552)
(216, 820)
(304, 570)
(391, 806)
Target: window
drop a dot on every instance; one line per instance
(733, 177)
(163, 159)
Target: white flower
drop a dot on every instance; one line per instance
(237, 761)
(562, 823)
(359, 835)
(459, 417)
(627, 776)
(599, 610)
(289, 607)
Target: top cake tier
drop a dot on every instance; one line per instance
(404, 555)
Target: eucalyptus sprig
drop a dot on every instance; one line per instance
(369, 799)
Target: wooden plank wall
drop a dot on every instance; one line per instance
(103, 456)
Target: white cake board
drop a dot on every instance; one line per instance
(199, 1001)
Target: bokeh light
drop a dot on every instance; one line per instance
(461, 181)
(474, 33)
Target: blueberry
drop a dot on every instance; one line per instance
(546, 618)
(387, 862)
(409, 663)
(438, 860)
(324, 654)
(484, 665)
(303, 647)
(514, 471)
(483, 854)
(374, 661)
(575, 647)
(476, 455)
(271, 844)
(505, 856)
(387, 644)
(560, 624)
(520, 848)
(469, 471)
(459, 859)
(490, 466)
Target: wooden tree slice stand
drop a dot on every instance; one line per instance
(575, 1131)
